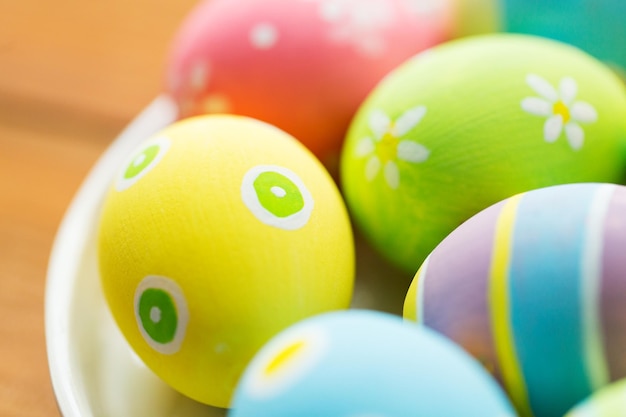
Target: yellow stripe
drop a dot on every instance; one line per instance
(410, 302)
(500, 312)
(414, 301)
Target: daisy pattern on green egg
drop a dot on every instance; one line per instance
(387, 145)
(559, 106)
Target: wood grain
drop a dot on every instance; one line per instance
(73, 73)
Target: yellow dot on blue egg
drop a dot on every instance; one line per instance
(285, 356)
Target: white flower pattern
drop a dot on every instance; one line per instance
(386, 144)
(357, 23)
(561, 109)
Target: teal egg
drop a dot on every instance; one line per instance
(596, 26)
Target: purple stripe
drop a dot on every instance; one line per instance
(613, 291)
(456, 286)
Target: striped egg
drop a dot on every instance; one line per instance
(535, 288)
(610, 401)
(361, 363)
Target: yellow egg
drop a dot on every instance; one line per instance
(217, 233)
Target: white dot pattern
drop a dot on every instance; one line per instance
(263, 35)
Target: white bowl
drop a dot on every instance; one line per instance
(94, 371)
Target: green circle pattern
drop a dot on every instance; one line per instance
(149, 154)
(279, 205)
(164, 329)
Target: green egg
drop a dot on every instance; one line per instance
(471, 122)
(609, 401)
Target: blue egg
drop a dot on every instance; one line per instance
(360, 363)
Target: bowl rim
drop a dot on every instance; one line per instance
(67, 249)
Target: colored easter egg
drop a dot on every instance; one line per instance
(360, 363)
(535, 288)
(301, 65)
(217, 233)
(473, 17)
(609, 401)
(469, 123)
(596, 26)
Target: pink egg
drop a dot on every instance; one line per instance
(302, 65)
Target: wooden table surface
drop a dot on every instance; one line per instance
(73, 73)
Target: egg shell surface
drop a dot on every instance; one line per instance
(301, 65)
(535, 288)
(474, 17)
(365, 363)
(609, 401)
(469, 123)
(596, 26)
(216, 234)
